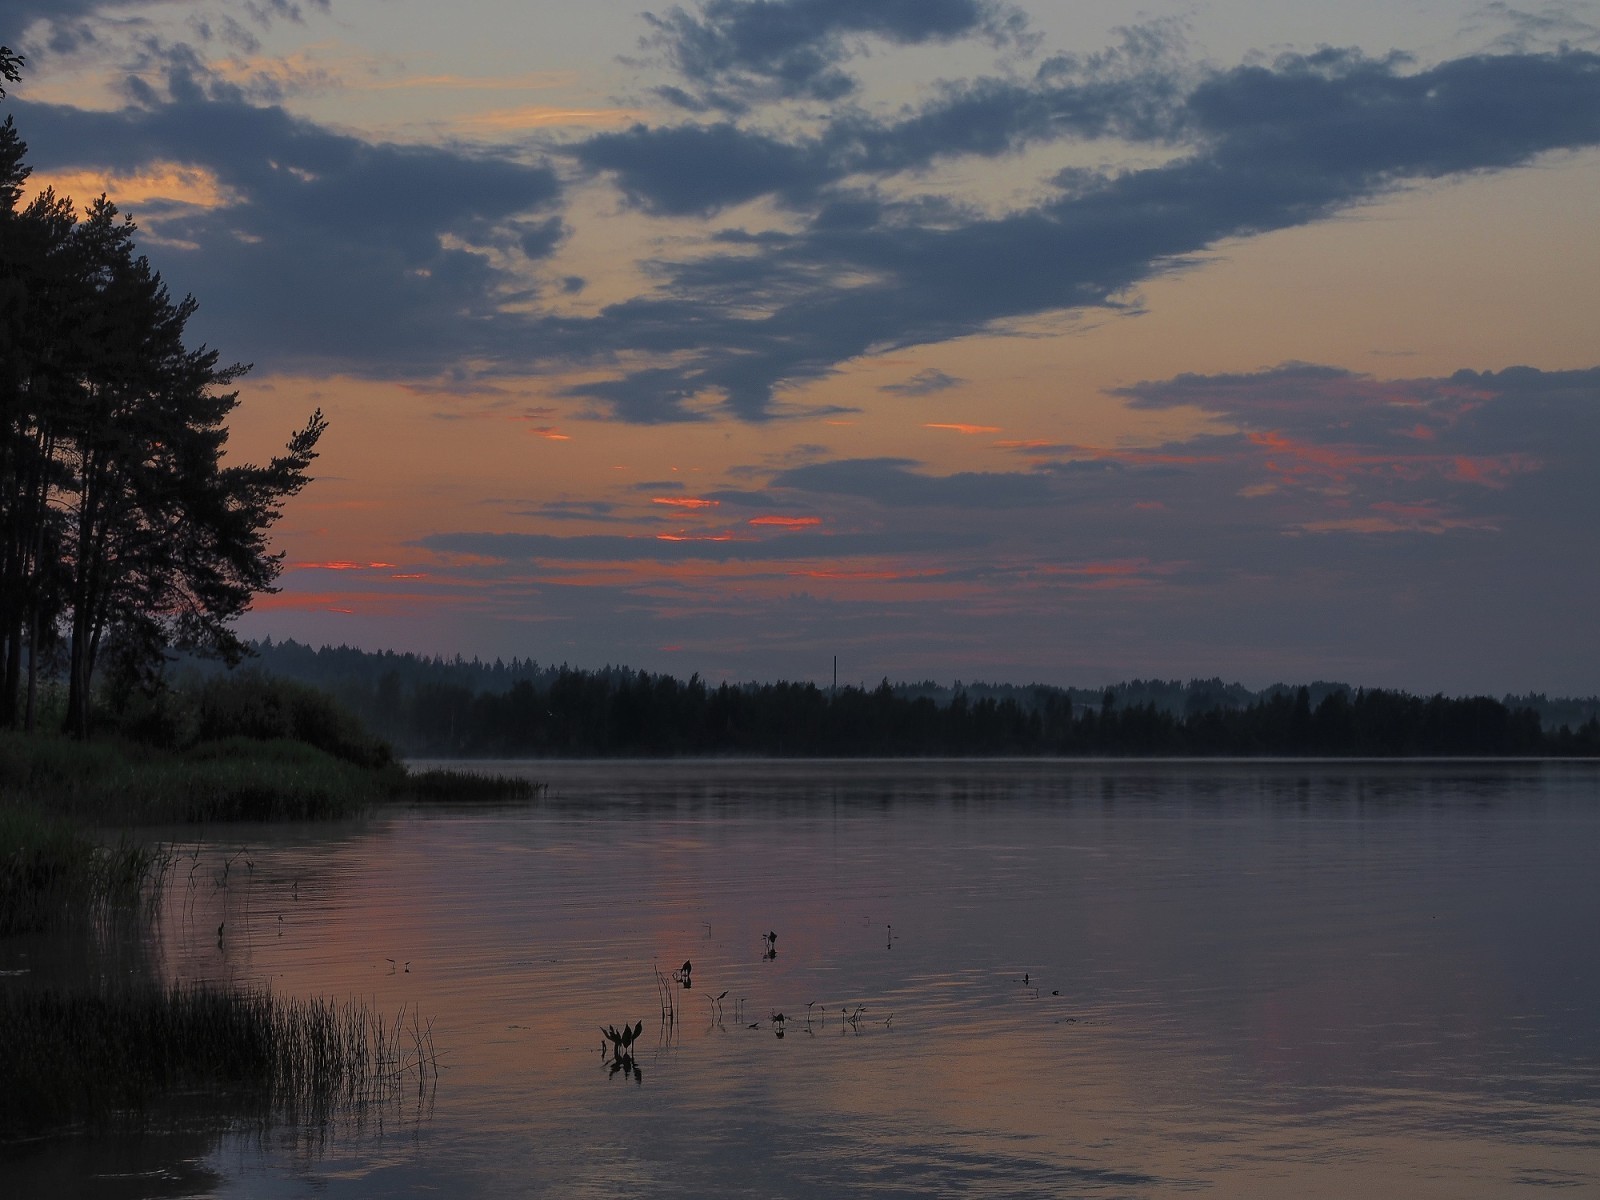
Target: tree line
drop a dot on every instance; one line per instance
(455, 707)
(123, 533)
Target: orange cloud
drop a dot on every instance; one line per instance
(1145, 458)
(786, 522)
(1492, 472)
(962, 428)
(865, 575)
(684, 502)
(1138, 458)
(1420, 510)
(1111, 573)
(1294, 458)
(1389, 525)
(342, 565)
(1393, 516)
(531, 81)
(1122, 566)
(542, 116)
(726, 536)
(165, 181)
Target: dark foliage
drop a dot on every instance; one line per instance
(126, 1056)
(122, 532)
(439, 707)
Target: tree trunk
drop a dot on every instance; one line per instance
(30, 712)
(12, 679)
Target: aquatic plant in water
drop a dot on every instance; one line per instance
(622, 1041)
(136, 1054)
(52, 873)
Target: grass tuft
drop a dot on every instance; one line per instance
(438, 784)
(113, 782)
(125, 1056)
(53, 873)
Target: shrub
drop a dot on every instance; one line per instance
(248, 704)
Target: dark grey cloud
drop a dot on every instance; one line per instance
(1503, 454)
(747, 498)
(893, 482)
(574, 510)
(540, 238)
(1552, 27)
(59, 25)
(539, 547)
(1170, 550)
(1134, 91)
(330, 250)
(71, 26)
(341, 253)
(1272, 147)
(924, 383)
(698, 169)
(1518, 410)
(733, 53)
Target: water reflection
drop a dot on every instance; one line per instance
(1028, 979)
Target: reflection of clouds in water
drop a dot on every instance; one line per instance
(1337, 954)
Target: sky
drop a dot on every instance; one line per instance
(958, 339)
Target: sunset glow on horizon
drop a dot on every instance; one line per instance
(1252, 341)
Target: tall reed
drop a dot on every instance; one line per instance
(52, 872)
(130, 1055)
(437, 785)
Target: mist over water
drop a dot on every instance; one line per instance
(998, 979)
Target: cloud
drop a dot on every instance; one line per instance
(1520, 410)
(1331, 450)
(323, 250)
(327, 251)
(501, 122)
(735, 53)
(574, 510)
(892, 482)
(784, 547)
(924, 383)
(67, 26)
(61, 25)
(1307, 521)
(1555, 26)
(1133, 91)
(1269, 147)
(695, 169)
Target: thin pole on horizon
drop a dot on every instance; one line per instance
(834, 690)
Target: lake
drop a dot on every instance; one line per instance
(997, 979)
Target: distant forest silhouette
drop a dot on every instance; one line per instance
(456, 707)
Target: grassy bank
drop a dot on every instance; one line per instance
(141, 1054)
(120, 783)
(54, 791)
(53, 872)
(117, 782)
(239, 748)
(437, 785)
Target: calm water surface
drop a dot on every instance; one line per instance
(1066, 980)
